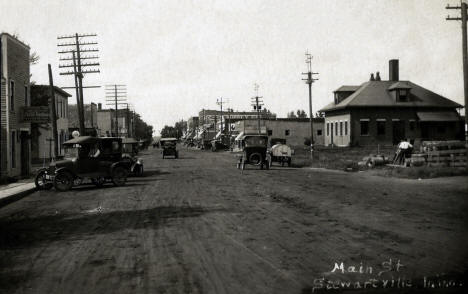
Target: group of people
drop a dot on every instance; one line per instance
(404, 150)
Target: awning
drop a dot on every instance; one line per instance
(438, 116)
(218, 135)
(240, 136)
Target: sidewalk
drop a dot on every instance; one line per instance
(16, 191)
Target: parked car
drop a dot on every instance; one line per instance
(221, 142)
(134, 164)
(252, 149)
(97, 160)
(169, 146)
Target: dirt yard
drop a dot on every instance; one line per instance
(199, 225)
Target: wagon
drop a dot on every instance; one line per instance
(169, 146)
(281, 153)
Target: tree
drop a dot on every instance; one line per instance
(301, 114)
(168, 132)
(181, 128)
(291, 114)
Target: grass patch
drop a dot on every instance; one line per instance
(422, 172)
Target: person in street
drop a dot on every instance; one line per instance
(405, 149)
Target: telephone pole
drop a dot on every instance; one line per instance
(257, 104)
(116, 95)
(72, 53)
(220, 102)
(310, 80)
(463, 7)
(54, 112)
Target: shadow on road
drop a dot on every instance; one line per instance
(27, 232)
(150, 173)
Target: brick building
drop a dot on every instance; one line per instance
(384, 112)
(41, 133)
(295, 130)
(14, 94)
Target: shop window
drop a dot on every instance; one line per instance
(364, 128)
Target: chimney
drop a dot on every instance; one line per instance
(99, 106)
(372, 77)
(393, 70)
(377, 78)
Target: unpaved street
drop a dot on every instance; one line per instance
(199, 225)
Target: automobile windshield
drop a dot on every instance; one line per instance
(255, 141)
(71, 152)
(169, 144)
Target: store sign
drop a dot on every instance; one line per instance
(35, 114)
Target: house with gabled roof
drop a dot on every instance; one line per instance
(386, 111)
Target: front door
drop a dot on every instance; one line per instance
(398, 131)
(25, 161)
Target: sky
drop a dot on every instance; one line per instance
(178, 57)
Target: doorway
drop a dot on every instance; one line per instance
(25, 161)
(398, 131)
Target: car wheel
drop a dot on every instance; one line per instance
(63, 181)
(41, 182)
(119, 176)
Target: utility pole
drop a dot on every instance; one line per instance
(220, 102)
(257, 104)
(75, 48)
(54, 111)
(116, 95)
(310, 80)
(463, 7)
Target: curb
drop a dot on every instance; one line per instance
(15, 197)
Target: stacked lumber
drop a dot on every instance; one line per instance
(449, 157)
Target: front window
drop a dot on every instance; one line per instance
(403, 95)
(256, 141)
(71, 152)
(364, 128)
(380, 128)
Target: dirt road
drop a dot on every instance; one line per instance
(199, 225)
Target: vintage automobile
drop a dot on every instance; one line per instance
(134, 164)
(252, 149)
(87, 159)
(220, 142)
(169, 147)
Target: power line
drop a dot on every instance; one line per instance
(463, 8)
(257, 104)
(73, 51)
(117, 94)
(310, 80)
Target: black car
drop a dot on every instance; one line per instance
(252, 150)
(134, 164)
(97, 160)
(169, 147)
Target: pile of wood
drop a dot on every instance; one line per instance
(440, 153)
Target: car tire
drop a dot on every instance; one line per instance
(63, 181)
(119, 176)
(41, 183)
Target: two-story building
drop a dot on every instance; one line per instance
(14, 95)
(41, 132)
(383, 112)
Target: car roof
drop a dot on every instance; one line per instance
(168, 139)
(82, 140)
(129, 141)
